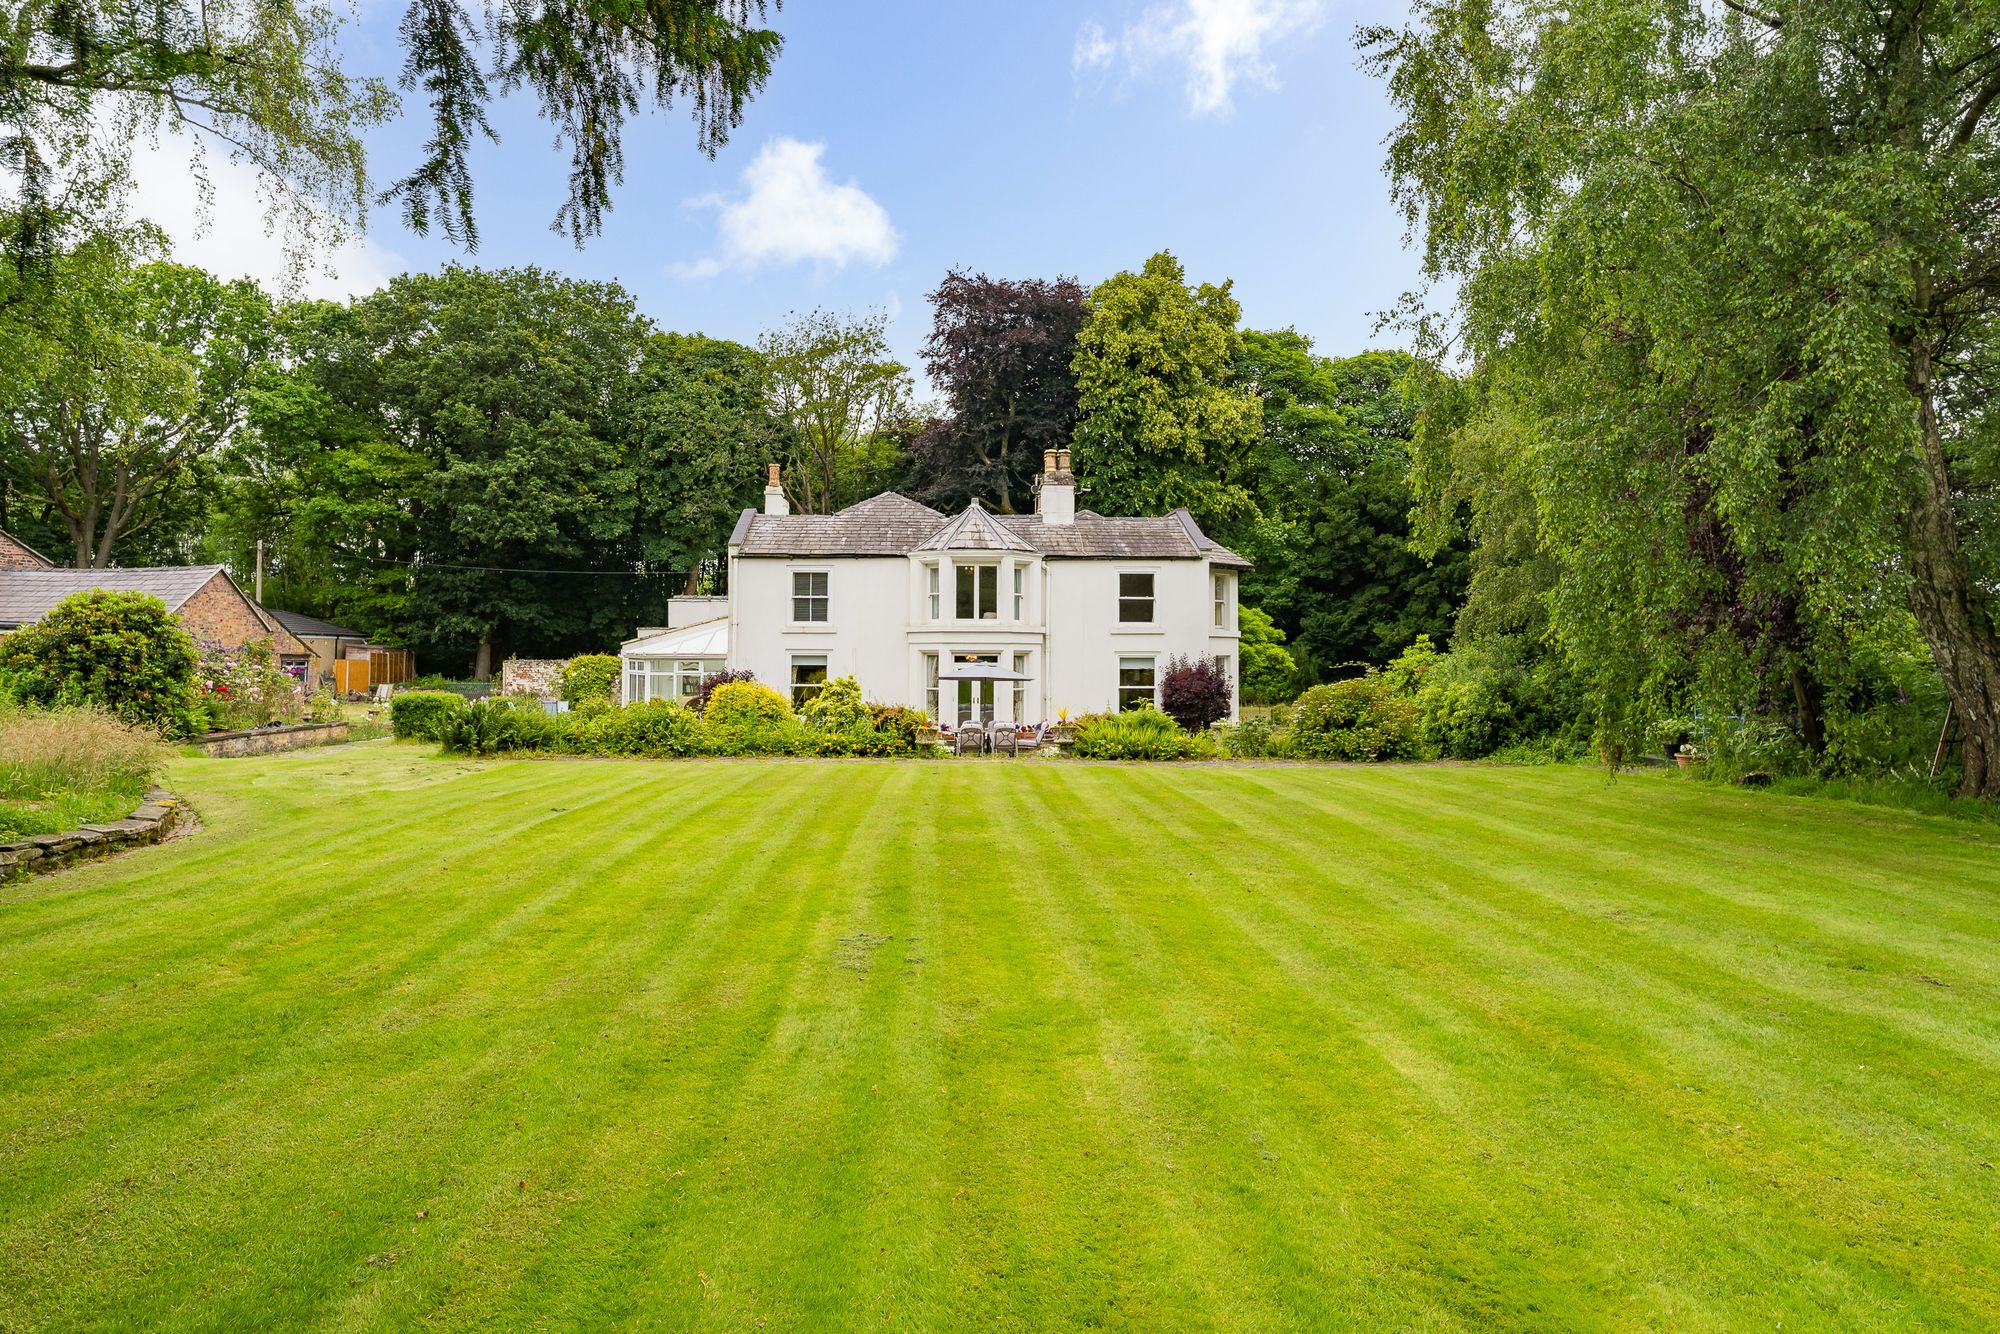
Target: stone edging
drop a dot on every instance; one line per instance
(265, 740)
(153, 821)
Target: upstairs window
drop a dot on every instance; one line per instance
(809, 599)
(1135, 597)
(933, 578)
(1020, 592)
(1222, 602)
(978, 592)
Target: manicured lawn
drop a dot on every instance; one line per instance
(405, 1041)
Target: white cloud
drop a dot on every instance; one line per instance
(790, 211)
(1216, 43)
(229, 228)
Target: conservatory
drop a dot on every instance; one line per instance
(672, 664)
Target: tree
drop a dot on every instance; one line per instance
(1330, 473)
(1736, 271)
(124, 378)
(1268, 673)
(1164, 423)
(263, 79)
(700, 429)
(1002, 352)
(832, 381)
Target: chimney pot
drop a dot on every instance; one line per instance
(1048, 462)
(774, 495)
(1062, 459)
(774, 475)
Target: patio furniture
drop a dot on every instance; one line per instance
(971, 737)
(1005, 738)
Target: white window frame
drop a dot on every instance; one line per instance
(1152, 662)
(1221, 601)
(1151, 598)
(976, 569)
(1020, 665)
(1020, 592)
(933, 701)
(824, 598)
(934, 588)
(676, 679)
(800, 693)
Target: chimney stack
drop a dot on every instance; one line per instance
(774, 495)
(1056, 500)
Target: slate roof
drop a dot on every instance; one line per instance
(894, 525)
(28, 595)
(301, 624)
(884, 525)
(974, 530)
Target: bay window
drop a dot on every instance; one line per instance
(978, 592)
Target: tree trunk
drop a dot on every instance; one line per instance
(1947, 603)
(1810, 698)
(482, 661)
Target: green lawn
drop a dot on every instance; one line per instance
(404, 1041)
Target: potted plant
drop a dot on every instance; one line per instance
(1063, 730)
(1672, 734)
(1686, 755)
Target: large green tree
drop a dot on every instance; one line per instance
(1735, 269)
(1164, 422)
(1331, 540)
(845, 402)
(264, 81)
(123, 378)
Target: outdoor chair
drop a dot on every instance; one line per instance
(1005, 738)
(970, 736)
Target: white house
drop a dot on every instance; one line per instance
(1014, 618)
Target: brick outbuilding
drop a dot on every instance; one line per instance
(209, 603)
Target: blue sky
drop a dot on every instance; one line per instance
(899, 139)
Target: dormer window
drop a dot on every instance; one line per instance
(978, 592)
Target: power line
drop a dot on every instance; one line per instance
(511, 569)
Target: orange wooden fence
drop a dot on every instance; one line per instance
(365, 668)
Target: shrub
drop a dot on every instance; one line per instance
(744, 703)
(1360, 718)
(1194, 692)
(658, 728)
(588, 676)
(119, 651)
(1267, 670)
(1253, 739)
(1135, 734)
(246, 688)
(709, 684)
(422, 714)
(836, 706)
(899, 722)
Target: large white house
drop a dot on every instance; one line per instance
(994, 617)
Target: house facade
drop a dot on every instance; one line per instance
(993, 617)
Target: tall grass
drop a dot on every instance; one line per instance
(68, 766)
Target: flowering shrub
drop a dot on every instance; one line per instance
(246, 688)
(1135, 734)
(589, 676)
(1361, 718)
(714, 682)
(119, 651)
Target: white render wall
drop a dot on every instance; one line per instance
(879, 626)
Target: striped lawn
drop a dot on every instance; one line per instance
(399, 1041)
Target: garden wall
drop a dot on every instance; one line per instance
(152, 822)
(265, 740)
(530, 676)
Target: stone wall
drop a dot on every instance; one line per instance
(45, 852)
(532, 676)
(265, 740)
